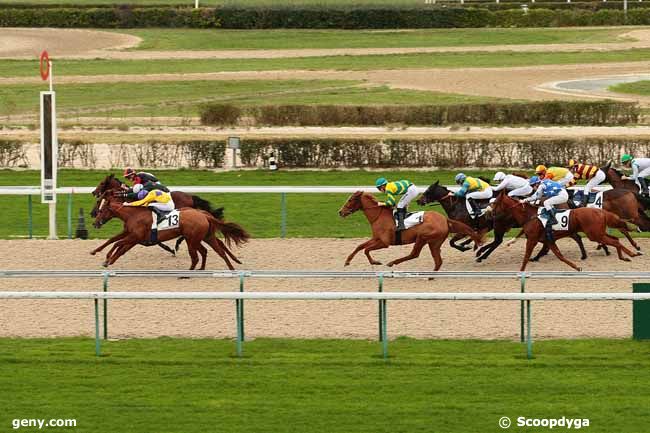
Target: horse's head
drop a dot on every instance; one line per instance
(435, 192)
(352, 204)
(103, 211)
(109, 182)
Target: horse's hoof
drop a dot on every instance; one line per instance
(638, 249)
(639, 253)
(92, 253)
(105, 264)
(390, 265)
(535, 259)
(346, 264)
(479, 259)
(583, 258)
(626, 259)
(183, 278)
(579, 269)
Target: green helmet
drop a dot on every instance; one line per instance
(381, 182)
(625, 158)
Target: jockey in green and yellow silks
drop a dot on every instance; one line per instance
(405, 188)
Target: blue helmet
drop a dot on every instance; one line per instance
(381, 182)
(460, 178)
(534, 180)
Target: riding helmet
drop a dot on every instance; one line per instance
(540, 169)
(625, 158)
(380, 182)
(499, 176)
(129, 172)
(460, 178)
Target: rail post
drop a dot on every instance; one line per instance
(241, 304)
(70, 215)
(523, 290)
(98, 350)
(105, 287)
(384, 336)
(529, 337)
(283, 215)
(381, 307)
(29, 217)
(239, 327)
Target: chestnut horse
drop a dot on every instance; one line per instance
(432, 231)
(593, 222)
(195, 226)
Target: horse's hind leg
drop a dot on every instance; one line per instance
(559, 255)
(620, 249)
(225, 248)
(460, 247)
(415, 252)
(217, 249)
(204, 255)
(166, 248)
(192, 248)
(179, 241)
(626, 233)
(434, 247)
(485, 251)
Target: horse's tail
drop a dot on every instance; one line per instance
(233, 233)
(199, 203)
(615, 222)
(462, 228)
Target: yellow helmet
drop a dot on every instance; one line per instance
(572, 163)
(540, 169)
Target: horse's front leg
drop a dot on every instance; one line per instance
(356, 250)
(375, 244)
(415, 253)
(460, 247)
(107, 243)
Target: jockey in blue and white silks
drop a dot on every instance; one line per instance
(554, 194)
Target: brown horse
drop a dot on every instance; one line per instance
(432, 231)
(593, 222)
(195, 226)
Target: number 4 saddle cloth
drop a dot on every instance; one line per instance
(562, 217)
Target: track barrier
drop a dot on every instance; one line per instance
(640, 298)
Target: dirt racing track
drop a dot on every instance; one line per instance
(310, 319)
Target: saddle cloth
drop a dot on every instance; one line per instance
(170, 221)
(562, 217)
(595, 199)
(412, 219)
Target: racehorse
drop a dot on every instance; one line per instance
(456, 209)
(181, 199)
(195, 226)
(432, 231)
(593, 222)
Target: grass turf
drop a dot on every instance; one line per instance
(308, 215)
(182, 98)
(181, 385)
(637, 88)
(198, 39)
(27, 68)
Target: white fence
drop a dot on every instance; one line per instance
(380, 296)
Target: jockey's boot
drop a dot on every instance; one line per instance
(476, 212)
(549, 224)
(160, 214)
(400, 214)
(644, 186)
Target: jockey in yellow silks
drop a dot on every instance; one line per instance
(405, 188)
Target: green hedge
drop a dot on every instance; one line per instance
(539, 113)
(434, 152)
(312, 17)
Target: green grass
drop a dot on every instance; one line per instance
(637, 88)
(308, 215)
(196, 39)
(29, 68)
(173, 98)
(186, 386)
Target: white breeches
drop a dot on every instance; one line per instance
(642, 173)
(408, 197)
(480, 195)
(524, 191)
(165, 207)
(598, 178)
(562, 197)
(566, 179)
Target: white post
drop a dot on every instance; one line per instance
(196, 4)
(50, 66)
(52, 221)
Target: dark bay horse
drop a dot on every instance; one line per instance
(456, 209)
(195, 225)
(593, 222)
(615, 179)
(432, 231)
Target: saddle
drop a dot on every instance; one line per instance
(411, 219)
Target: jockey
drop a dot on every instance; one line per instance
(640, 170)
(515, 185)
(144, 179)
(160, 202)
(554, 193)
(594, 175)
(393, 189)
(560, 175)
(472, 189)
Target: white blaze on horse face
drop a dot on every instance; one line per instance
(101, 205)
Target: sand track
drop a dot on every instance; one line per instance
(350, 319)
